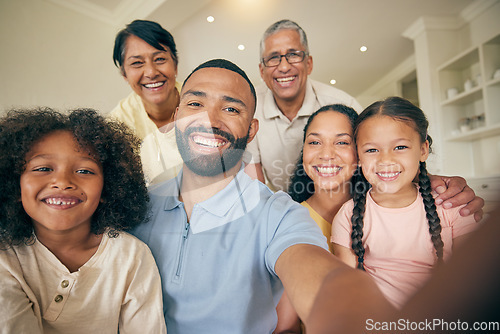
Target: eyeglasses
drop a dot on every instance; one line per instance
(291, 57)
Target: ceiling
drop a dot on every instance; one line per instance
(336, 29)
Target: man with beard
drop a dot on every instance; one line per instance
(225, 244)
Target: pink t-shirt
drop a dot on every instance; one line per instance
(399, 253)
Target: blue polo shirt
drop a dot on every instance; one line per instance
(217, 269)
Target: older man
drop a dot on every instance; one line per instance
(284, 106)
(225, 244)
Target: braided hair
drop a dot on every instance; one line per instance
(301, 185)
(430, 209)
(401, 110)
(361, 187)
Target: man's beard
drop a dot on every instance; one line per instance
(213, 164)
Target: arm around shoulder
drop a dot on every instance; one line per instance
(453, 191)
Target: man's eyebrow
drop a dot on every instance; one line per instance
(195, 93)
(276, 53)
(234, 100)
(226, 98)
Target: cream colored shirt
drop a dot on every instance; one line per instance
(278, 142)
(159, 154)
(118, 288)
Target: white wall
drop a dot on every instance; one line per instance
(389, 85)
(55, 57)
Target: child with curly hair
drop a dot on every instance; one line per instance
(392, 227)
(71, 185)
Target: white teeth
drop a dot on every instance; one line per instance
(154, 85)
(285, 79)
(329, 170)
(207, 142)
(58, 201)
(388, 174)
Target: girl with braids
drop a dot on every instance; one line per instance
(392, 228)
(71, 185)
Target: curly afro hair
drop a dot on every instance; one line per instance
(124, 198)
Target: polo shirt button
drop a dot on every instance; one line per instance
(65, 283)
(58, 299)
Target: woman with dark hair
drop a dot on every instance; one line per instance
(322, 180)
(147, 57)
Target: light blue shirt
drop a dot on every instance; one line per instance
(218, 270)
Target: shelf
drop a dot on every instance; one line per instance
(493, 82)
(465, 97)
(461, 61)
(476, 152)
(479, 133)
(490, 182)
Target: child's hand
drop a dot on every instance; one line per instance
(453, 191)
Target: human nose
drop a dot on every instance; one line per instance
(327, 152)
(385, 158)
(284, 65)
(210, 117)
(63, 180)
(150, 70)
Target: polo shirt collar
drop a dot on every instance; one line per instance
(309, 100)
(227, 205)
(220, 204)
(172, 190)
(271, 110)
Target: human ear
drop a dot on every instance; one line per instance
(176, 112)
(424, 151)
(254, 128)
(309, 62)
(261, 70)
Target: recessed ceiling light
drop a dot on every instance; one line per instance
(333, 81)
(241, 47)
(363, 48)
(210, 19)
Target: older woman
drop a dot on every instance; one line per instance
(147, 57)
